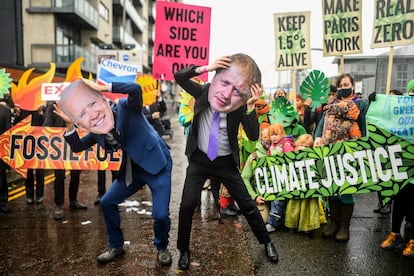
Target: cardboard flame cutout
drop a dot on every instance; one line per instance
(28, 95)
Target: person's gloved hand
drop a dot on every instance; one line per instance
(372, 96)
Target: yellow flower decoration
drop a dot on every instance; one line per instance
(186, 106)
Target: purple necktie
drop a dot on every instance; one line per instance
(214, 136)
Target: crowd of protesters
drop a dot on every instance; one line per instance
(244, 133)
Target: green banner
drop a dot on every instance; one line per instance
(381, 162)
(393, 113)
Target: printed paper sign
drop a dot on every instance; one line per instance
(149, 87)
(52, 91)
(182, 38)
(292, 37)
(393, 23)
(342, 27)
(111, 70)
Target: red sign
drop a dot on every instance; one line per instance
(182, 38)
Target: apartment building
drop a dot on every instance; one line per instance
(37, 32)
(370, 72)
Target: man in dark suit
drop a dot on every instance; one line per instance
(230, 96)
(53, 120)
(5, 124)
(145, 160)
(38, 174)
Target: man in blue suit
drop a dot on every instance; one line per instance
(145, 160)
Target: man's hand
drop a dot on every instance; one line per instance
(58, 111)
(155, 115)
(94, 85)
(260, 200)
(257, 92)
(223, 62)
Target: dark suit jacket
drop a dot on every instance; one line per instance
(51, 119)
(138, 138)
(5, 118)
(200, 93)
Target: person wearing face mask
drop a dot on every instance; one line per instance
(343, 120)
(311, 117)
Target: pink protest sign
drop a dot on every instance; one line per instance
(182, 38)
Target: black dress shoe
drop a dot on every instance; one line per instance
(77, 205)
(184, 261)
(98, 199)
(386, 209)
(234, 208)
(271, 252)
(227, 212)
(5, 209)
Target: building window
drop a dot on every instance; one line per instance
(402, 76)
(103, 11)
(382, 75)
(361, 67)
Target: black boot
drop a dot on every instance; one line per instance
(333, 220)
(344, 221)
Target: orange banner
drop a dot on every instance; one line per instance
(25, 146)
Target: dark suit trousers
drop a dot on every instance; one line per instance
(40, 183)
(224, 169)
(59, 186)
(4, 186)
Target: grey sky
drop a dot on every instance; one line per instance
(247, 26)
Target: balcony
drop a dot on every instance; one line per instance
(131, 11)
(62, 56)
(79, 12)
(120, 37)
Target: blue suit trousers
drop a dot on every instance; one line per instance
(160, 185)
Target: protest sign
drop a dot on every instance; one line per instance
(292, 37)
(393, 113)
(149, 87)
(182, 38)
(36, 147)
(111, 70)
(393, 23)
(342, 28)
(381, 162)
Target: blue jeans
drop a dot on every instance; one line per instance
(277, 213)
(160, 186)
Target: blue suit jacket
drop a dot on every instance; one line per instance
(138, 138)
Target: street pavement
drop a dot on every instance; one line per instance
(33, 243)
